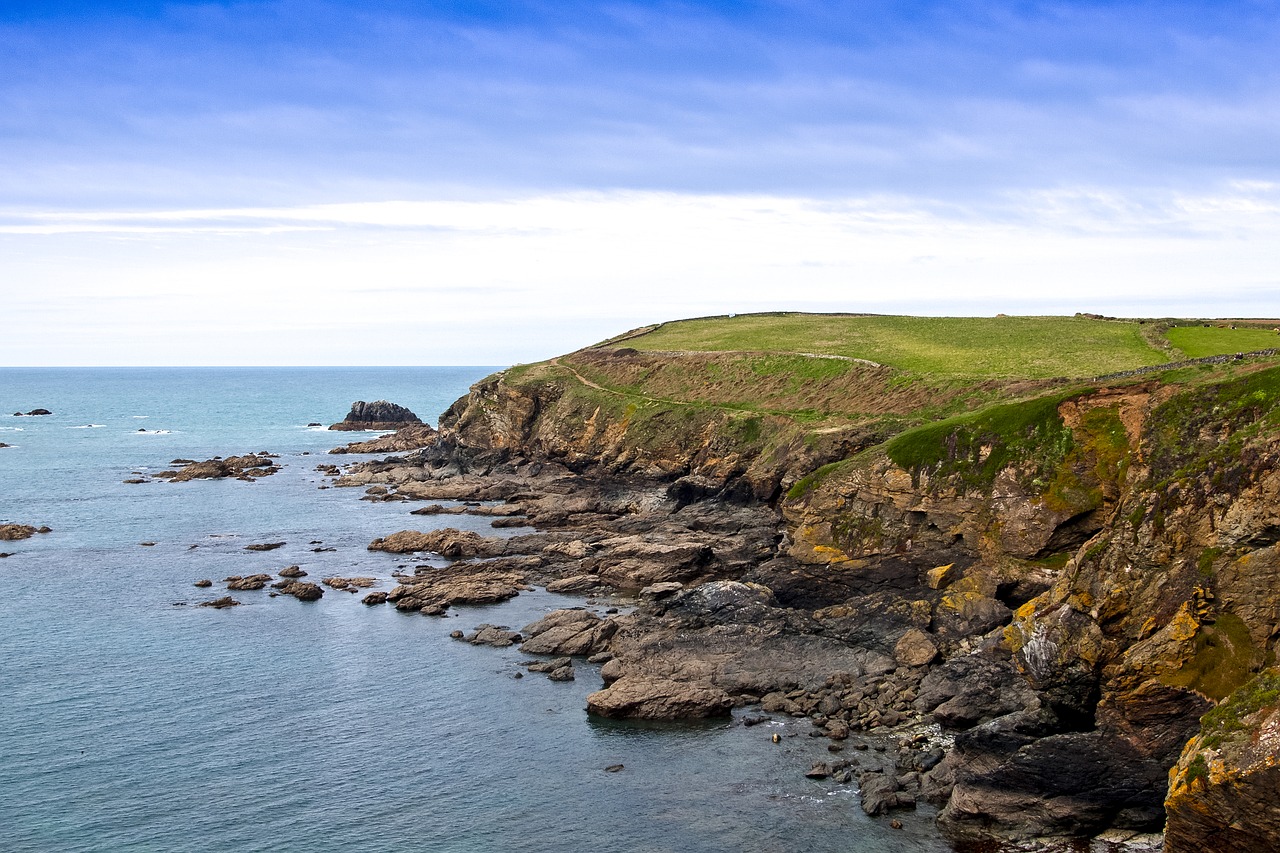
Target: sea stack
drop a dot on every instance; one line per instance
(379, 414)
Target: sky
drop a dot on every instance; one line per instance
(323, 182)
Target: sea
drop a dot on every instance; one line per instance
(133, 720)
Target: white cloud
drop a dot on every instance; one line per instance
(496, 281)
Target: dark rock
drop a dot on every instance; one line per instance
(614, 768)
(293, 572)
(374, 598)
(498, 636)
(220, 603)
(15, 532)
(264, 546)
(204, 583)
(248, 583)
(379, 414)
(819, 770)
(303, 591)
(564, 673)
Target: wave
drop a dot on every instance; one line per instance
(141, 417)
(87, 426)
(152, 432)
(12, 429)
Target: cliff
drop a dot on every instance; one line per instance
(1062, 575)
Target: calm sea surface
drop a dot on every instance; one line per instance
(132, 720)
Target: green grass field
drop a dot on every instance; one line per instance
(970, 347)
(1198, 341)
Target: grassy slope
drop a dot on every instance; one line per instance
(990, 381)
(1200, 341)
(970, 347)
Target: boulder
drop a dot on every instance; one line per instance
(498, 636)
(248, 582)
(303, 591)
(654, 698)
(568, 632)
(915, 649)
(220, 603)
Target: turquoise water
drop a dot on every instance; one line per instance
(132, 720)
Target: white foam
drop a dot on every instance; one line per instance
(152, 432)
(87, 426)
(141, 417)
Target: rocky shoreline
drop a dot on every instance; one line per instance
(1030, 608)
(709, 631)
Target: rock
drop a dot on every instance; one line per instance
(220, 603)
(574, 584)
(819, 770)
(379, 414)
(915, 648)
(564, 673)
(498, 636)
(15, 532)
(204, 583)
(134, 481)
(661, 590)
(942, 576)
(447, 542)
(303, 591)
(2, 444)
(248, 467)
(147, 544)
(614, 768)
(654, 698)
(374, 598)
(264, 546)
(292, 572)
(349, 583)
(33, 413)
(403, 439)
(250, 582)
(567, 632)
(879, 793)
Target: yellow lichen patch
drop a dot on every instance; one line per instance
(941, 576)
(1184, 624)
(1081, 602)
(828, 554)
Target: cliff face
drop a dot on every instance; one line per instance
(1149, 512)
(552, 412)
(1069, 582)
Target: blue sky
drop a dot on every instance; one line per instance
(150, 147)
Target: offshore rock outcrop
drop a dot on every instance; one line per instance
(379, 414)
(1049, 593)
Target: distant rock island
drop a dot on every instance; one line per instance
(379, 414)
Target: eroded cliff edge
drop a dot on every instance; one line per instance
(1062, 582)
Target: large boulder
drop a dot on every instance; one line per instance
(379, 414)
(645, 698)
(568, 632)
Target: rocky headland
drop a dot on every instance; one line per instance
(1031, 590)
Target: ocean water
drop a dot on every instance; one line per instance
(132, 720)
